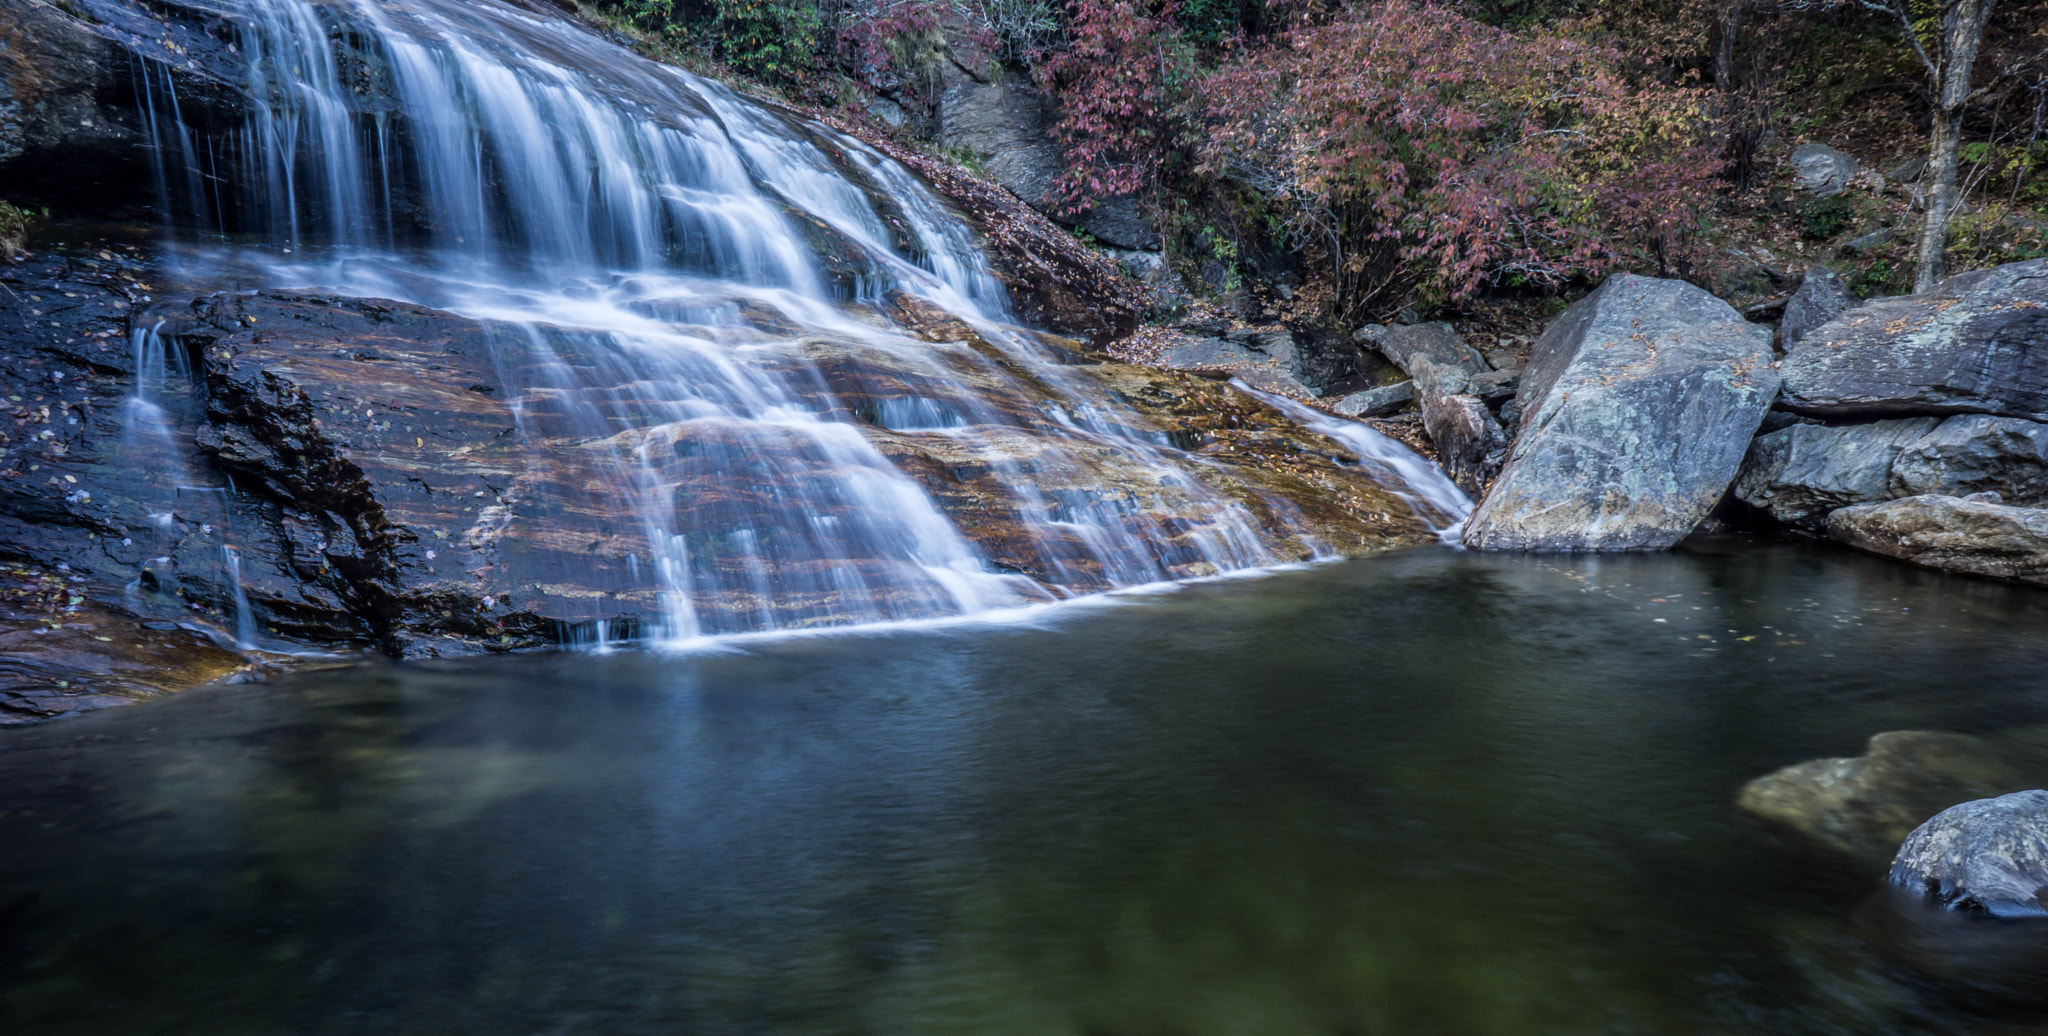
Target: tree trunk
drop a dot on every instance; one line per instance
(1724, 55)
(1961, 31)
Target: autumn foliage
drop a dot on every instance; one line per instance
(1408, 148)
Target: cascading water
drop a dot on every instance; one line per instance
(682, 280)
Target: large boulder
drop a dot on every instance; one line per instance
(1637, 406)
(1861, 806)
(1978, 343)
(1950, 533)
(1821, 298)
(1977, 453)
(1799, 474)
(1008, 124)
(1988, 856)
(1822, 169)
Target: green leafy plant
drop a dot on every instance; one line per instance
(1823, 218)
(16, 224)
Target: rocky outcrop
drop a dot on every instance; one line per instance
(1821, 298)
(1637, 406)
(1989, 856)
(1977, 453)
(1976, 344)
(1863, 805)
(362, 461)
(1953, 534)
(1822, 169)
(1008, 124)
(1798, 475)
(1469, 441)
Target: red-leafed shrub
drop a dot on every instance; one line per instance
(1124, 80)
(1418, 150)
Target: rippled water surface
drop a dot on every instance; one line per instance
(1432, 792)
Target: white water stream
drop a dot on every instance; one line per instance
(631, 224)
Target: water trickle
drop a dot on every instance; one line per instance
(245, 621)
(700, 293)
(1436, 499)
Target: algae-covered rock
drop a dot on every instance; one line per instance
(1863, 805)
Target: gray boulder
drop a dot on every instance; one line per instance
(1266, 358)
(1863, 805)
(1977, 453)
(1385, 401)
(1978, 343)
(1822, 169)
(1800, 473)
(1469, 442)
(1403, 344)
(1636, 409)
(1952, 534)
(1496, 387)
(1009, 123)
(1821, 297)
(1988, 856)
(1907, 171)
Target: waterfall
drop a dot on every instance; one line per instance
(674, 272)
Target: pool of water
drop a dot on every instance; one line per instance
(1433, 792)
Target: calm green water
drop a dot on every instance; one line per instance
(1428, 793)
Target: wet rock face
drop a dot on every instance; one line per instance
(69, 76)
(1269, 359)
(1976, 344)
(363, 461)
(1976, 537)
(1637, 407)
(1055, 282)
(1861, 806)
(1988, 856)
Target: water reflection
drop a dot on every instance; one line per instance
(1438, 792)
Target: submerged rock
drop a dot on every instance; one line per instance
(1863, 805)
(1978, 343)
(1637, 406)
(1971, 536)
(1988, 856)
(1799, 474)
